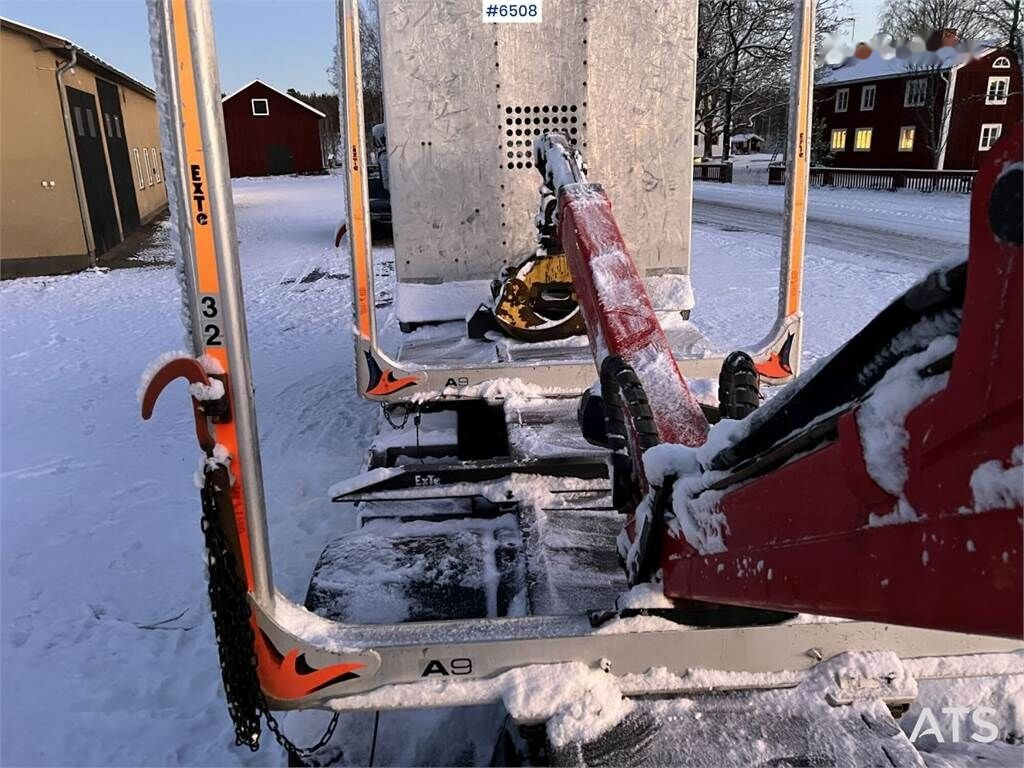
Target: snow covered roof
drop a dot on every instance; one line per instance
(879, 66)
(275, 90)
(56, 42)
(746, 137)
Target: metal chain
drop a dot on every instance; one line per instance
(234, 634)
(386, 409)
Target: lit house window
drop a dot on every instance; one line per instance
(917, 91)
(867, 98)
(842, 99)
(1001, 63)
(838, 139)
(997, 89)
(260, 107)
(907, 138)
(862, 140)
(989, 134)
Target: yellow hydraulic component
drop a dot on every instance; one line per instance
(537, 302)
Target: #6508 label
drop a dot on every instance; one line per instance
(521, 13)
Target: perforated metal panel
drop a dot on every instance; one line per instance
(464, 100)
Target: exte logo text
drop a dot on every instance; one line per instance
(198, 195)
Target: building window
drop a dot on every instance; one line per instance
(838, 139)
(907, 138)
(149, 168)
(138, 169)
(997, 89)
(989, 134)
(867, 98)
(842, 99)
(79, 127)
(260, 107)
(90, 120)
(862, 140)
(154, 157)
(1001, 63)
(110, 128)
(916, 93)
(117, 126)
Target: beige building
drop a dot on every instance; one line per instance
(80, 162)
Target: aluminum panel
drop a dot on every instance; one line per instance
(641, 80)
(619, 72)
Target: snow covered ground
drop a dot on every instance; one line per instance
(107, 649)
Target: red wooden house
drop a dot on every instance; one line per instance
(940, 109)
(270, 132)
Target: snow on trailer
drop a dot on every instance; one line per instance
(499, 558)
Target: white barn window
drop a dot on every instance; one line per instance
(862, 140)
(989, 135)
(1001, 63)
(867, 98)
(997, 89)
(916, 93)
(260, 107)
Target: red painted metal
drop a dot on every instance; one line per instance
(799, 538)
(620, 319)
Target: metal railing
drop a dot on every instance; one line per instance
(713, 172)
(880, 178)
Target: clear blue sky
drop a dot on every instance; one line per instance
(287, 43)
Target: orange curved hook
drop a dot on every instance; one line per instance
(192, 371)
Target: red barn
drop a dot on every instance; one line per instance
(270, 132)
(941, 109)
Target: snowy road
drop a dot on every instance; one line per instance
(107, 651)
(906, 225)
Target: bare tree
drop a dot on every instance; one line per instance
(1004, 18)
(744, 49)
(905, 18)
(370, 64)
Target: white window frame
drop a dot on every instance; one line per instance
(994, 131)
(155, 159)
(867, 89)
(921, 92)
(997, 95)
(1001, 63)
(149, 168)
(139, 180)
(832, 140)
(857, 132)
(913, 138)
(842, 99)
(266, 105)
